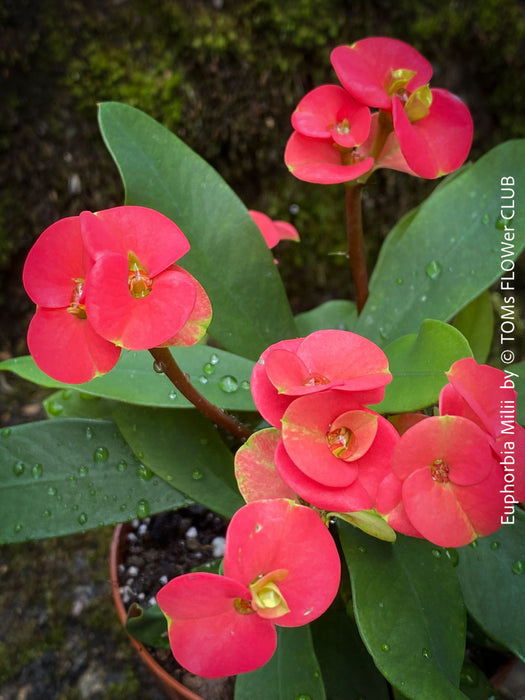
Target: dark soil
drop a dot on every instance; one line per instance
(160, 548)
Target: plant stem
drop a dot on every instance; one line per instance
(171, 369)
(356, 244)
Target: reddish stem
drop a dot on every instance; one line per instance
(171, 369)
(356, 244)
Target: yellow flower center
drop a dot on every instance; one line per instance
(417, 104)
(267, 599)
(439, 470)
(139, 282)
(76, 306)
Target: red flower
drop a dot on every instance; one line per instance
(60, 337)
(281, 566)
(333, 452)
(273, 231)
(327, 359)
(434, 127)
(136, 296)
(451, 481)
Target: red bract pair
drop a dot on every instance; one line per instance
(332, 451)
(419, 130)
(107, 281)
(273, 231)
(454, 474)
(281, 567)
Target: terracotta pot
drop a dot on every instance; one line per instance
(172, 687)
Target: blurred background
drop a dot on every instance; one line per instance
(225, 76)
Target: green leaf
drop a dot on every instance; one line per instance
(184, 449)
(292, 673)
(228, 254)
(68, 403)
(418, 364)
(476, 323)
(348, 670)
(519, 384)
(447, 252)
(492, 577)
(338, 313)
(475, 684)
(148, 626)
(409, 611)
(69, 475)
(134, 381)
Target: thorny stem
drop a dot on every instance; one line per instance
(356, 245)
(171, 369)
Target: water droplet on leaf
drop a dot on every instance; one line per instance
(385, 647)
(46, 513)
(51, 491)
(18, 468)
(36, 471)
(494, 545)
(485, 218)
(433, 269)
(172, 395)
(144, 472)
(196, 474)
(400, 280)
(101, 454)
(361, 548)
(518, 567)
(159, 367)
(203, 379)
(89, 433)
(426, 653)
(55, 408)
(436, 553)
(245, 384)
(83, 470)
(143, 508)
(228, 384)
(82, 519)
(214, 359)
(208, 368)
(122, 465)
(453, 556)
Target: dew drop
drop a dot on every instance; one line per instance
(82, 519)
(123, 507)
(494, 545)
(361, 548)
(18, 468)
(426, 653)
(500, 223)
(46, 513)
(66, 394)
(258, 527)
(436, 553)
(469, 676)
(36, 471)
(51, 491)
(382, 334)
(101, 454)
(400, 281)
(485, 219)
(473, 544)
(228, 384)
(55, 408)
(214, 359)
(208, 368)
(122, 465)
(144, 472)
(518, 567)
(89, 433)
(5, 432)
(303, 696)
(203, 379)
(159, 367)
(453, 556)
(196, 474)
(433, 269)
(143, 508)
(245, 384)
(172, 395)
(83, 470)
(385, 647)
(18, 527)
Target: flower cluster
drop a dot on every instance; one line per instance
(281, 567)
(105, 281)
(416, 129)
(332, 451)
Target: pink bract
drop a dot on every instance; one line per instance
(367, 69)
(334, 453)
(135, 296)
(281, 566)
(60, 338)
(451, 480)
(438, 143)
(321, 361)
(273, 231)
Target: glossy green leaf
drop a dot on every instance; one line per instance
(476, 323)
(447, 252)
(409, 611)
(492, 577)
(228, 254)
(519, 384)
(148, 626)
(347, 668)
(338, 313)
(223, 378)
(184, 449)
(292, 673)
(68, 475)
(476, 685)
(418, 364)
(68, 403)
